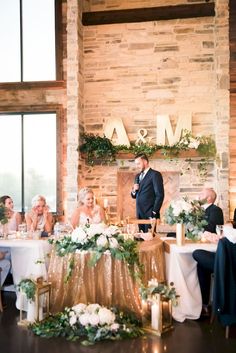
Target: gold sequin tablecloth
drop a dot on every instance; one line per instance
(108, 283)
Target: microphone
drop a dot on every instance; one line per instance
(136, 179)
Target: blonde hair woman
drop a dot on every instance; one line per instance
(87, 211)
(39, 218)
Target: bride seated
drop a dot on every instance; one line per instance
(87, 211)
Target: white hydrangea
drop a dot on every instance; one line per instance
(102, 241)
(73, 319)
(94, 229)
(94, 319)
(93, 308)
(106, 316)
(79, 235)
(84, 319)
(79, 308)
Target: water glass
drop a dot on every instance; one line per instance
(219, 230)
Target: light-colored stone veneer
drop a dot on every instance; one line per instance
(136, 71)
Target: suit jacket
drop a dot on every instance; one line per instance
(224, 303)
(150, 195)
(214, 216)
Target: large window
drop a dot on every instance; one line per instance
(27, 40)
(28, 158)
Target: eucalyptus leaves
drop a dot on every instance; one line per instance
(97, 147)
(28, 287)
(100, 239)
(91, 322)
(188, 212)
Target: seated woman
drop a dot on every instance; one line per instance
(39, 218)
(87, 212)
(14, 218)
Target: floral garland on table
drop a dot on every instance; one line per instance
(101, 147)
(93, 322)
(100, 239)
(190, 213)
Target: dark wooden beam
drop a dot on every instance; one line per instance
(148, 14)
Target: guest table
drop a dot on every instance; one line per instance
(29, 258)
(108, 283)
(181, 269)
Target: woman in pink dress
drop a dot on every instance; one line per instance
(14, 218)
(87, 212)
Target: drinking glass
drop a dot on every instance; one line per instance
(219, 229)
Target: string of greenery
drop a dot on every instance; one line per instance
(97, 147)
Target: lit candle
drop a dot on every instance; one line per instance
(31, 311)
(105, 203)
(155, 316)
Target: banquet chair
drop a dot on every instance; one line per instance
(1, 306)
(224, 300)
(152, 222)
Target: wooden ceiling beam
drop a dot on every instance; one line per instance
(148, 14)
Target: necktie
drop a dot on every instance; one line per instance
(141, 176)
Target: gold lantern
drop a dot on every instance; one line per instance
(161, 315)
(35, 310)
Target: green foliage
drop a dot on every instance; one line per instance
(188, 212)
(28, 287)
(126, 250)
(167, 292)
(58, 325)
(98, 147)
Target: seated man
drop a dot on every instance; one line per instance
(214, 214)
(5, 266)
(206, 259)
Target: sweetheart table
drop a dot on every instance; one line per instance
(108, 283)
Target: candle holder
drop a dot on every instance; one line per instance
(161, 315)
(37, 309)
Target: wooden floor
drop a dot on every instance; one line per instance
(187, 337)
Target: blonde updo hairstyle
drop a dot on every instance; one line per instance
(36, 199)
(82, 194)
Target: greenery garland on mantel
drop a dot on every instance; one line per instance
(102, 148)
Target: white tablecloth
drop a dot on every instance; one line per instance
(181, 269)
(29, 258)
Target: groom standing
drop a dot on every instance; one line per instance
(148, 191)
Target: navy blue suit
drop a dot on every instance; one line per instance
(214, 216)
(150, 195)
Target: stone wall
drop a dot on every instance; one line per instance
(103, 5)
(136, 71)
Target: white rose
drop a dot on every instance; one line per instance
(79, 308)
(73, 320)
(113, 243)
(106, 316)
(102, 241)
(94, 319)
(115, 326)
(84, 319)
(92, 308)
